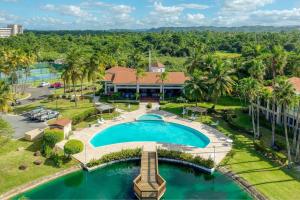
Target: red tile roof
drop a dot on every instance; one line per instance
(61, 122)
(295, 81)
(123, 75)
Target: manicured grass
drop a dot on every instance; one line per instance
(11, 159)
(271, 180)
(93, 119)
(65, 107)
(126, 107)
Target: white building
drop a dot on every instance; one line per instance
(266, 107)
(11, 30)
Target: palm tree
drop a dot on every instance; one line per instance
(296, 127)
(258, 71)
(285, 94)
(220, 80)
(5, 97)
(65, 76)
(139, 73)
(278, 60)
(195, 88)
(95, 71)
(163, 77)
(249, 87)
(74, 61)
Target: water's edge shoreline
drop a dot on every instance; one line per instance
(28, 186)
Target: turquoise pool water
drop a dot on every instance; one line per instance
(150, 117)
(115, 182)
(150, 131)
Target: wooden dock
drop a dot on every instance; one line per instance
(149, 184)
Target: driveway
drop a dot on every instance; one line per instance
(21, 125)
(36, 94)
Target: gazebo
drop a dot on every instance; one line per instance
(102, 107)
(199, 110)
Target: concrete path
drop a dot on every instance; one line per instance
(216, 149)
(36, 94)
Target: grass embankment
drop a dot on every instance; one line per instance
(273, 181)
(11, 159)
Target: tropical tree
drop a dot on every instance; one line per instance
(220, 80)
(139, 73)
(278, 60)
(285, 94)
(5, 97)
(195, 88)
(163, 77)
(249, 88)
(296, 126)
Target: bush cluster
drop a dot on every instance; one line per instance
(163, 102)
(124, 154)
(84, 115)
(269, 154)
(149, 105)
(133, 102)
(73, 147)
(177, 155)
(51, 137)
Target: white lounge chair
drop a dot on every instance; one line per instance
(193, 117)
(215, 123)
(100, 121)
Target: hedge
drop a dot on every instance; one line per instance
(134, 102)
(51, 137)
(177, 155)
(124, 154)
(84, 115)
(73, 147)
(131, 153)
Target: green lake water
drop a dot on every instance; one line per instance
(115, 182)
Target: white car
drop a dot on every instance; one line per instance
(44, 84)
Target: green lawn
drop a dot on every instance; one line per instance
(11, 159)
(126, 107)
(270, 179)
(64, 106)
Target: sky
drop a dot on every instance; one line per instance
(144, 14)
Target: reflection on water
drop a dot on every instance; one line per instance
(115, 182)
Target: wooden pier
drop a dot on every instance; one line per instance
(149, 184)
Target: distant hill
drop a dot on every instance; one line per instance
(178, 29)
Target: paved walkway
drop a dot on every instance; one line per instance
(216, 149)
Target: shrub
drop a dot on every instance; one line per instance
(84, 115)
(163, 102)
(208, 163)
(22, 167)
(37, 162)
(124, 154)
(73, 147)
(56, 158)
(51, 137)
(149, 105)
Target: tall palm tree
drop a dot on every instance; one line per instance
(285, 94)
(5, 97)
(139, 73)
(95, 71)
(221, 80)
(195, 88)
(258, 71)
(74, 61)
(65, 76)
(296, 126)
(163, 77)
(249, 87)
(278, 60)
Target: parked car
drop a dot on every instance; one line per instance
(48, 116)
(56, 85)
(16, 103)
(44, 84)
(35, 111)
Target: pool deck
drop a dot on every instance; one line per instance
(218, 142)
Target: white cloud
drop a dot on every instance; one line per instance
(71, 10)
(195, 18)
(244, 5)
(6, 18)
(167, 10)
(194, 6)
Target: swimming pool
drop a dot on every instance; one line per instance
(150, 117)
(115, 182)
(150, 131)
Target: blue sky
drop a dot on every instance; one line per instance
(139, 14)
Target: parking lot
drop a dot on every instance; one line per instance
(21, 124)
